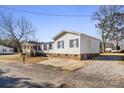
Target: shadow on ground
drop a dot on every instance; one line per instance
(7, 81)
(110, 57)
(13, 82)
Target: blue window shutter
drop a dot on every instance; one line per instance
(62, 44)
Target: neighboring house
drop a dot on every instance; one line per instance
(5, 50)
(73, 45)
(121, 44)
(109, 46)
(30, 48)
(113, 45)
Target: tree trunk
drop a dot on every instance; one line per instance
(19, 46)
(117, 47)
(103, 44)
(103, 47)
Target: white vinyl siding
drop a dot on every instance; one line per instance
(89, 45)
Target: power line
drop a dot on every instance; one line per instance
(42, 13)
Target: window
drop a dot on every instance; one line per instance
(39, 47)
(45, 46)
(60, 44)
(74, 43)
(3, 50)
(35, 47)
(10, 50)
(50, 46)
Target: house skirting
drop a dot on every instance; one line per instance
(89, 56)
(6, 53)
(74, 56)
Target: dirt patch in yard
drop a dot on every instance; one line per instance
(66, 64)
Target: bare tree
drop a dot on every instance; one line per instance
(17, 30)
(116, 37)
(118, 33)
(25, 28)
(105, 18)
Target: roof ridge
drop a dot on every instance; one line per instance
(80, 33)
(5, 46)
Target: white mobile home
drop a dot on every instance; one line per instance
(73, 45)
(6, 50)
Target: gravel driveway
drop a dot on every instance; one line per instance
(98, 74)
(27, 75)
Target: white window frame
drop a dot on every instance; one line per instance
(73, 43)
(60, 44)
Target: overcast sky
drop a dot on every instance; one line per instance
(48, 26)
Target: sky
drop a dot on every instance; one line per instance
(46, 26)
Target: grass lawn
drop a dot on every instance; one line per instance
(115, 54)
(18, 58)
